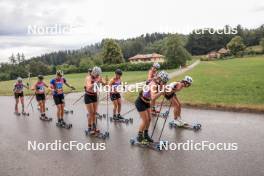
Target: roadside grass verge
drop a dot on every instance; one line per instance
(234, 84)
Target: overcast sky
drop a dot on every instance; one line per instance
(88, 21)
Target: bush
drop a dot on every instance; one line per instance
(4, 76)
(134, 67)
(68, 68)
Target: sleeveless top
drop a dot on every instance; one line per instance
(146, 94)
(57, 85)
(92, 90)
(40, 87)
(116, 83)
(18, 87)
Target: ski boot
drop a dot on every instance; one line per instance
(115, 117)
(147, 138)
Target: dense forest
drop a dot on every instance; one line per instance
(176, 47)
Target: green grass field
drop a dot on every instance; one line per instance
(234, 83)
(77, 80)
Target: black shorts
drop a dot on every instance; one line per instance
(40, 97)
(58, 99)
(168, 97)
(141, 105)
(17, 95)
(114, 96)
(90, 98)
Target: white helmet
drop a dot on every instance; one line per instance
(164, 76)
(96, 71)
(59, 72)
(19, 79)
(188, 79)
(156, 65)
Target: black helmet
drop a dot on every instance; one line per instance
(118, 72)
(41, 77)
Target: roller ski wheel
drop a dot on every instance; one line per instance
(107, 134)
(165, 115)
(171, 124)
(25, 113)
(197, 127)
(126, 121)
(17, 113)
(131, 120)
(132, 141)
(45, 109)
(67, 111)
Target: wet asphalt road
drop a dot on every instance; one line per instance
(120, 158)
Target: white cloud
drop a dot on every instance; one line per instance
(94, 20)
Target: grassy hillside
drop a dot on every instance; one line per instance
(234, 83)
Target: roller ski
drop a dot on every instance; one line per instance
(17, 113)
(181, 124)
(97, 134)
(45, 118)
(161, 114)
(119, 118)
(25, 113)
(100, 116)
(145, 144)
(62, 124)
(67, 111)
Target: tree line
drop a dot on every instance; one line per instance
(177, 49)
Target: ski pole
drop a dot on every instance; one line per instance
(107, 118)
(78, 99)
(30, 101)
(128, 112)
(157, 114)
(64, 96)
(167, 115)
(103, 98)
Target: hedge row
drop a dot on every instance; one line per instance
(67, 69)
